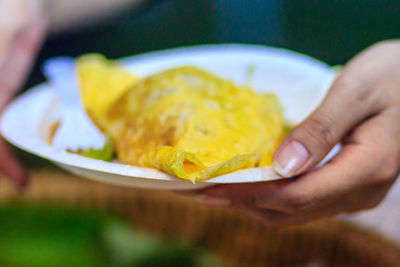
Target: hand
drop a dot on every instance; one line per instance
(19, 42)
(361, 110)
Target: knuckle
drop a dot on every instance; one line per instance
(364, 91)
(320, 129)
(387, 172)
(296, 203)
(372, 203)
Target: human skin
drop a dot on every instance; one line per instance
(23, 27)
(362, 111)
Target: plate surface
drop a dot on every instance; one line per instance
(299, 81)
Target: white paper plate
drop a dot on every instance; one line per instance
(300, 82)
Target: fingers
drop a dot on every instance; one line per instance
(378, 139)
(274, 218)
(362, 199)
(310, 191)
(11, 168)
(15, 15)
(355, 96)
(19, 60)
(358, 178)
(347, 103)
(314, 189)
(20, 57)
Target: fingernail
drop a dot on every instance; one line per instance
(290, 159)
(213, 201)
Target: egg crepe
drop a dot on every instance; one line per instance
(193, 124)
(102, 82)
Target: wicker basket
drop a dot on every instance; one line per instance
(241, 240)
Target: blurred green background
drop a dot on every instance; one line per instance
(332, 31)
(43, 235)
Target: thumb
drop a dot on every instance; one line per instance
(346, 105)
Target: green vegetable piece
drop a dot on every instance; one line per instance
(106, 153)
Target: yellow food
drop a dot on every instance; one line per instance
(186, 121)
(102, 83)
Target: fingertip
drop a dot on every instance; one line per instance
(23, 183)
(290, 158)
(20, 179)
(14, 172)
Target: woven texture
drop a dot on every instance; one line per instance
(241, 240)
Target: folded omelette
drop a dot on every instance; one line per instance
(184, 121)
